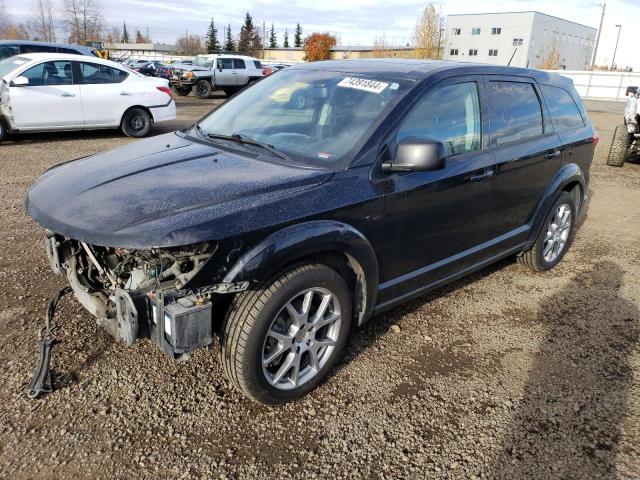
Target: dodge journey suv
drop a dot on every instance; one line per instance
(314, 200)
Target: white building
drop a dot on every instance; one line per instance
(528, 37)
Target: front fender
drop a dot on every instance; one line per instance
(283, 247)
(568, 174)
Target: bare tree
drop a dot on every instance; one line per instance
(381, 47)
(83, 20)
(550, 57)
(113, 35)
(42, 24)
(428, 33)
(189, 45)
(10, 30)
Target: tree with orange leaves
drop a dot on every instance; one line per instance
(317, 46)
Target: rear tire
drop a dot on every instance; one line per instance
(618, 152)
(204, 88)
(136, 122)
(278, 341)
(555, 236)
(3, 131)
(182, 91)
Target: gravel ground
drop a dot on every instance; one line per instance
(506, 374)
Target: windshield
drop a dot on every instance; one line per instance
(8, 65)
(204, 62)
(315, 116)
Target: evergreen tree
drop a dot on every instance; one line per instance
(297, 36)
(273, 40)
(125, 34)
(212, 38)
(230, 45)
(285, 44)
(246, 35)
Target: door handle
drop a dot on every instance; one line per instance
(67, 94)
(552, 155)
(482, 176)
(125, 93)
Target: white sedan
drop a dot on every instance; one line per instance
(48, 91)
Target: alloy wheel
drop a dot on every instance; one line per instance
(557, 234)
(301, 338)
(137, 123)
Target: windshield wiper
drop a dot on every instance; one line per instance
(243, 139)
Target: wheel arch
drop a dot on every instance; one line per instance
(570, 178)
(142, 107)
(335, 244)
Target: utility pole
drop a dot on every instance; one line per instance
(613, 62)
(264, 36)
(595, 49)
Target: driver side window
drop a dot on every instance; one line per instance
(449, 114)
(50, 73)
(225, 63)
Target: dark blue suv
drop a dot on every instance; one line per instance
(10, 48)
(317, 198)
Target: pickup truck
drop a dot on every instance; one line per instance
(229, 73)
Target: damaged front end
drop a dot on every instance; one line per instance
(142, 293)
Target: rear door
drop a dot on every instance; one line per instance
(50, 100)
(527, 153)
(225, 74)
(105, 93)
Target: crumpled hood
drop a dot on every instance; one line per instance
(154, 192)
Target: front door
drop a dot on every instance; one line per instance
(50, 100)
(438, 219)
(225, 73)
(527, 151)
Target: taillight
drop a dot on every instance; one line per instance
(266, 71)
(595, 139)
(166, 90)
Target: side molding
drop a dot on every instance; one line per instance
(319, 236)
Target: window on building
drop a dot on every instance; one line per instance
(493, 53)
(457, 31)
(515, 112)
(475, 31)
(454, 51)
(563, 109)
(450, 114)
(517, 42)
(473, 52)
(496, 30)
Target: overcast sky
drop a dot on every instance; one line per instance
(358, 22)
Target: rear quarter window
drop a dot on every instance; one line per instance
(238, 63)
(257, 64)
(514, 112)
(565, 114)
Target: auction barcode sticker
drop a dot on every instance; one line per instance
(363, 84)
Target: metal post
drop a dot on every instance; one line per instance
(613, 62)
(595, 49)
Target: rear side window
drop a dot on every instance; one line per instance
(257, 64)
(50, 73)
(563, 109)
(239, 63)
(7, 51)
(37, 49)
(514, 112)
(449, 114)
(93, 73)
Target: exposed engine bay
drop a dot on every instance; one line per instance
(140, 293)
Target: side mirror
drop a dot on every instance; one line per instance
(415, 154)
(20, 82)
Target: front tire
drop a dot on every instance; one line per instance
(136, 122)
(3, 131)
(619, 150)
(182, 91)
(204, 88)
(555, 236)
(280, 340)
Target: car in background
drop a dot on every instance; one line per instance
(631, 90)
(9, 48)
(226, 72)
(153, 68)
(45, 91)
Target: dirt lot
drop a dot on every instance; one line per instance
(506, 374)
